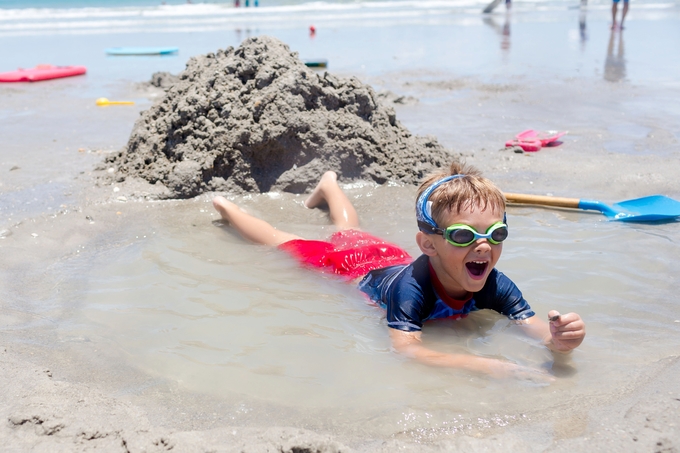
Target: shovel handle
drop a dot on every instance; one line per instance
(542, 200)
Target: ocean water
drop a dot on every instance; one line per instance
(361, 37)
(29, 18)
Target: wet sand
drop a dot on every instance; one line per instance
(61, 395)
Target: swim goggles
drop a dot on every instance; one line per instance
(459, 235)
(462, 235)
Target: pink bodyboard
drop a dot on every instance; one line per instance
(41, 72)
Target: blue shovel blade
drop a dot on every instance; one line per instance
(647, 209)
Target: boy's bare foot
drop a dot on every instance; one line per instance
(223, 206)
(318, 194)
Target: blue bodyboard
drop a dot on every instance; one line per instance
(141, 50)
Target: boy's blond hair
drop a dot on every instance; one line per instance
(468, 192)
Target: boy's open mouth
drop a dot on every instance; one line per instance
(476, 268)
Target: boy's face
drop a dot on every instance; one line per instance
(465, 269)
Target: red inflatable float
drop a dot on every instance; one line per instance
(41, 72)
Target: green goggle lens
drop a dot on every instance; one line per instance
(462, 235)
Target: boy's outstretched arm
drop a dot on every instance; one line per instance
(410, 345)
(562, 334)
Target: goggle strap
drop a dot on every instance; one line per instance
(423, 212)
(429, 229)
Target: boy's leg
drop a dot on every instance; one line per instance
(251, 228)
(343, 214)
(615, 7)
(624, 12)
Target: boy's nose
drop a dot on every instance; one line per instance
(482, 244)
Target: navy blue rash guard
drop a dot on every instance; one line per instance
(413, 294)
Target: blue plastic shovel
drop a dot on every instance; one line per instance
(646, 209)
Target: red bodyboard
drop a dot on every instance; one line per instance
(41, 72)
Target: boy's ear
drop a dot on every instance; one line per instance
(426, 244)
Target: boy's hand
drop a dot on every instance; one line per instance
(566, 331)
(410, 344)
(500, 369)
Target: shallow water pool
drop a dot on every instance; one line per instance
(171, 292)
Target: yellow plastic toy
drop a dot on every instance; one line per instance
(104, 101)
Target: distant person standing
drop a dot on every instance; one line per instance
(615, 6)
(494, 3)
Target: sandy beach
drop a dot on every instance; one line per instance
(132, 324)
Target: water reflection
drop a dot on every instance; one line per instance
(502, 30)
(615, 63)
(247, 34)
(583, 32)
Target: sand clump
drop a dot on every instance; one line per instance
(256, 119)
(163, 79)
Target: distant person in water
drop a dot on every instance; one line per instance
(624, 11)
(462, 226)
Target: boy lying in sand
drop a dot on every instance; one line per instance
(455, 274)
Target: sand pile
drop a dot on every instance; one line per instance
(255, 119)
